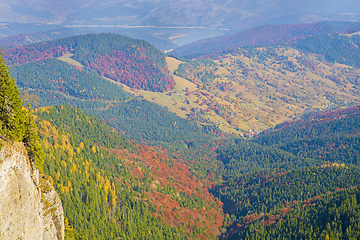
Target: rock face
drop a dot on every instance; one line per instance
(30, 208)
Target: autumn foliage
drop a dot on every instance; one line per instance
(137, 71)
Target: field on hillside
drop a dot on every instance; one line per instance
(257, 88)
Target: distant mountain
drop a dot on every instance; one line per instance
(39, 35)
(264, 35)
(179, 21)
(198, 13)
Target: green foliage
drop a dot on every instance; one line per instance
(133, 62)
(33, 143)
(142, 120)
(334, 47)
(323, 124)
(203, 70)
(329, 136)
(12, 113)
(260, 199)
(16, 122)
(244, 156)
(69, 119)
(53, 76)
(94, 170)
(265, 191)
(334, 216)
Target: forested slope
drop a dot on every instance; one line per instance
(135, 63)
(52, 82)
(333, 47)
(330, 216)
(280, 176)
(264, 35)
(332, 136)
(114, 188)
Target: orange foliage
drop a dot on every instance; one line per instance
(172, 172)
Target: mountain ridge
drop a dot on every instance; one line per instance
(263, 35)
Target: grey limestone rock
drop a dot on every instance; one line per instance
(30, 208)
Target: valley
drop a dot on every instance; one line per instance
(259, 141)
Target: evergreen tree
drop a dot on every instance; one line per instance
(12, 114)
(16, 122)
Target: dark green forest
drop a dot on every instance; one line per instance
(276, 179)
(330, 216)
(333, 47)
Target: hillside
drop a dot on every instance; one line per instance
(64, 80)
(330, 136)
(258, 87)
(193, 181)
(282, 174)
(263, 35)
(251, 88)
(320, 138)
(327, 216)
(340, 48)
(119, 188)
(53, 82)
(125, 172)
(132, 62)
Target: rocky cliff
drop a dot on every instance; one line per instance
(30, 208)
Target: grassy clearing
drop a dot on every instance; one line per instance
(182, 84)
(67, 58)
(173, 63)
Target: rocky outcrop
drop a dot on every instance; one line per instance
(30, 208)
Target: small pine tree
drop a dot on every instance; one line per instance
(12, 113)
(15, 121)
(32, 142)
